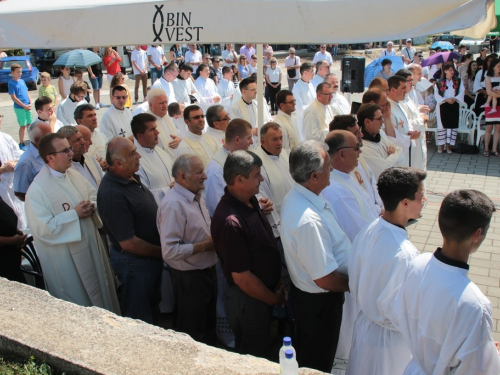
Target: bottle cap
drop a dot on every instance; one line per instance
(287, 341)
(289, 353)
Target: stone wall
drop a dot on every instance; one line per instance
(81, 340)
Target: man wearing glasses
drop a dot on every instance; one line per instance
(287, 120)
(61, 212)
(292, 64)
(76, 97)
(323, 54)
(217, 119)
(116, 120)
(319, 114)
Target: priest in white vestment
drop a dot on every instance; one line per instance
(116, 120)
(318, 115)
(444, 317)
(287, 119)
(184, 86)
(165, 82)
(217, 120)
(85, 115)
(225, 88)
(168, 139)
(303, 92)
(60, 208)
(378, 262)
(66, 109)
(195, 141)
(339, 103)
(207, 88)
(322, 69)
(378, 152)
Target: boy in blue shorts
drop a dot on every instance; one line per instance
(18, 91)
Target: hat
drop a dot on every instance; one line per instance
(408, 40)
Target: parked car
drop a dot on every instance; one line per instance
(453, 39)
(46, 62)
(31, 75)
(471, 42)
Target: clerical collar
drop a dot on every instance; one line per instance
(81, 161)
(371, 138)
(304, 81)
(70, 98)
(451, 262)
(246, 102)
(42, 119)
(267, 152)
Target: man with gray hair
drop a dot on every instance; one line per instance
(292, 64)
(217, 119)
(322, 69)
(316, 252)
(250, 259)
(319, 114)
(184, 225)
(30, 162)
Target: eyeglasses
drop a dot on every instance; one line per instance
(243, 58)
(290, 102)
(120, 97)
(357, 147)
(254, 58)
(326, 93)
(227, 118)
(251, 89)
(197, 117)
(66, 150)
(381, 118)
(292, 53)
(420, 56)
(323, 47)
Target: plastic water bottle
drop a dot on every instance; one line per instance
(287, 344)
(290, 366)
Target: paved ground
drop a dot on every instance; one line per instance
(445, 174)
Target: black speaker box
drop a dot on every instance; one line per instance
(353, 74)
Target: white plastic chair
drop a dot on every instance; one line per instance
(467, 123)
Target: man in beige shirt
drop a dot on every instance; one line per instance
(184, 225)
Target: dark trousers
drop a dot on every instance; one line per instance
(250, 320)
(140, 279)
(317, 317)
(195, 294)
(272, 97)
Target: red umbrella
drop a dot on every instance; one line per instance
(441, 57)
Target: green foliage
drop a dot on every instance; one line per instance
(10, 365)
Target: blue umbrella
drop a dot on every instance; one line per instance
(375, 66)
(78, 58)
(443, 45)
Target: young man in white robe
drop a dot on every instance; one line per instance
(184, 86)
(303, 92)
(116, 120)
(225, 88)
(379, 153)
(60, 208)
(195, 141)
(339, 103)
(168, 137)
(66, 109)
(378, 262)
(287, 119)
(207, 88)
(86, 115)
(165, 81)
(318, 115)
(322, 69)
(443, 316)
(44, 108)
(217, 120)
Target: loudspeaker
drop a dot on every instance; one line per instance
(353, 74)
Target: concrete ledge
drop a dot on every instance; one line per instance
(81, 340)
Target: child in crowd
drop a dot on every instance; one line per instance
(47, 89)
(119, 79)
(18, 91)
(65, 82)
(79, 78)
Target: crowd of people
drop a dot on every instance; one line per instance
(190, 205)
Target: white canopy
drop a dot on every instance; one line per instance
(85, 23)
(480, 30)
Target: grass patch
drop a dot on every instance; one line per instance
(12, 365)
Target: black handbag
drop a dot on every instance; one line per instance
(293, 72)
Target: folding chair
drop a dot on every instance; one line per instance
(29, 253)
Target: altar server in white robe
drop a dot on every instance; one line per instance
(156, 165)
(340, 105)
(225, 88)
(451, 333)
(287, 119)
(184, 86)
(60, 208)
(352, 209)
(303, 92)
(116, 120)
(165, 81)
(378, 262)
(9, 155)
(322, 69)
(318, 115)
(378, 152)
(168, 137)
(206, 87)
(85, 115)
(66, 109)
(217, 120)
(362, 173)
(195, 141)
(44, 108)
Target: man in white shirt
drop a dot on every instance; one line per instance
(318, 115)
(196, 142)
(165, 82)
(378, 151)
(388, 51)
(85, 115)
(217, 120)
(156, 58)
(303, 92)
(287, 119)
(168, 138)
(322, 69)
(318, 274)
(378, 261)
(323, 54)
(139, 61)
(339, 104)
(408, 51)
(184, 86)
(193, 56)
(44, 108)
(76, 97)
(292, 64)
(443, 316)
(116, 120)
(229, 56)
(225, 88)
(206, 87)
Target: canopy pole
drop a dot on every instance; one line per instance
(260, 89)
